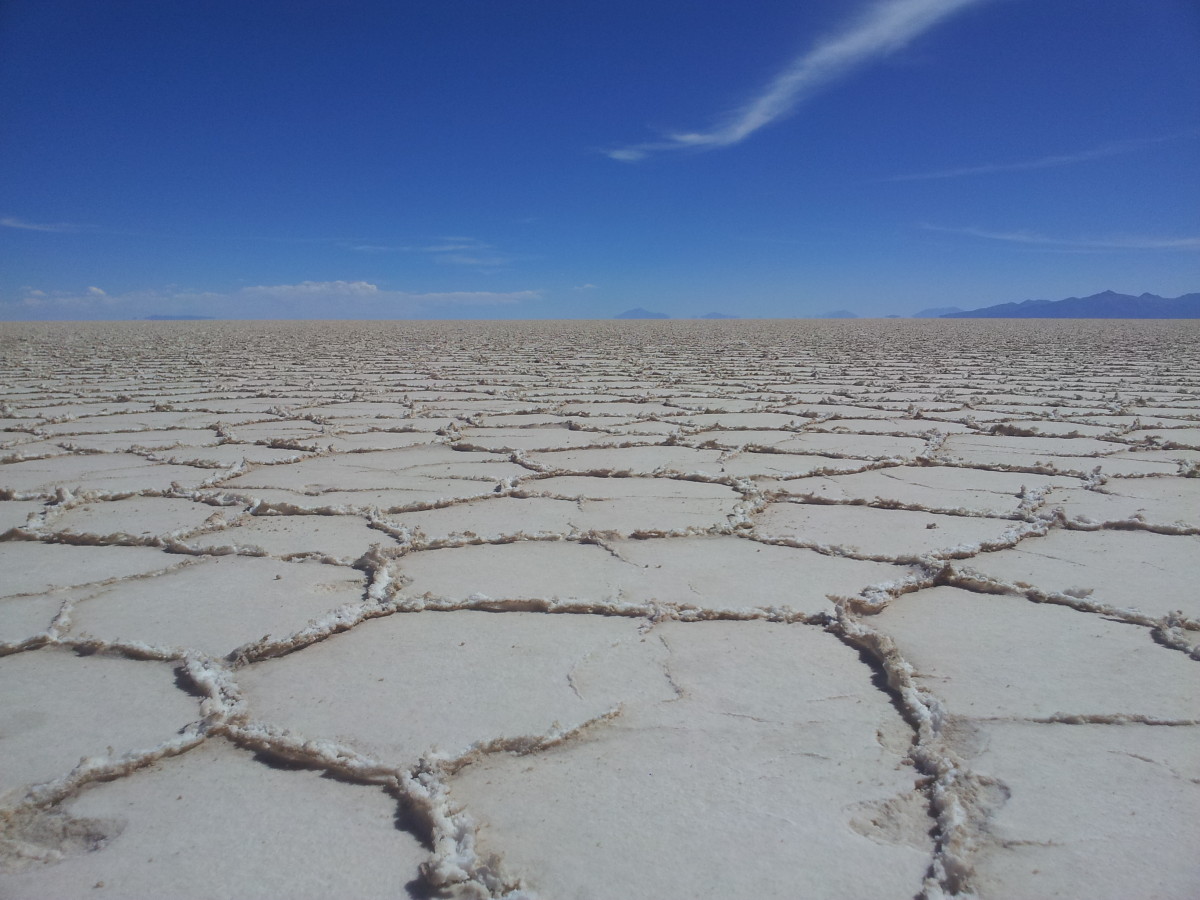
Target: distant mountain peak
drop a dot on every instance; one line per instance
(1105, 305)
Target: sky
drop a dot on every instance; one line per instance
(514, 159)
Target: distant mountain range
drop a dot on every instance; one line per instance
(176, 318)
(1106, 305)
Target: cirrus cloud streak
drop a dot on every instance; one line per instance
(883, 28)
(1117, 242)
(303, 300)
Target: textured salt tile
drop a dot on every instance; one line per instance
(218, 605)
(1183, 410)
(15, 451)
(517, 420)
(966, 415)
(242, 405)
(227, 455)
(1180, 457)
(1063, 429)
(722, 573)
(148, 440)
(631, 459)
(1102, 810)
(735, 421)
(500, 440)
(354, 409)
(775, 732)
(373, 440)
(22, 617)
(648, 515)
(1157, 501)
(345, 538)
(1157, 573)
(1068, 465)
(713, 404)
(1114, 423)
(410, 466)
(781, 465)
(142, 421)
(175, 828)
(637, 410)
(734, 573)
(31, 566)
(421, 492)
(934, 487)
(888, 426)
(895, 533)
(621, 425)
(515, 571)
(15, 513)
(469, 406)
(492, 517)
(992, 655)
(1178, 437)
(1025, 447)
(868, 446)
(429, 424)
(200, 419)
(140, 517)
(284, 430)
(1011, 409)
(844, 411)
(509, 675)
(83, 409)
(598, 488)
(739, 438)
(114, 472)
(59, 707)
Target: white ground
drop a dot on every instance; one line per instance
(600, 610)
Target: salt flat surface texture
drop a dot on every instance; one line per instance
(883, 609)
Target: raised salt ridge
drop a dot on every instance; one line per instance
(736, 609)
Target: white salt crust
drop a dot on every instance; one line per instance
(599, 609)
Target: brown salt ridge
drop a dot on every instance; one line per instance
(705, 609)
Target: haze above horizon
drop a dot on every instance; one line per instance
(535, 160)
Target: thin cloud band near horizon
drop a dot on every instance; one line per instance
(1117, 242)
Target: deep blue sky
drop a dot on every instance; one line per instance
(530, 158)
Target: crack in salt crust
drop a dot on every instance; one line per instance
(816, 476)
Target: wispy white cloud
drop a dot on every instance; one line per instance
(1117, 242)
(447, 251)
(373, 248)
(882, 28)
(306, 299)
(13, 222)
(585, 287)
(485, 260)
(452, 245)
(1116, 148)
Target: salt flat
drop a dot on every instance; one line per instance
(600, 609)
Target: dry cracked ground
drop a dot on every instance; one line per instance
(600, 610)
